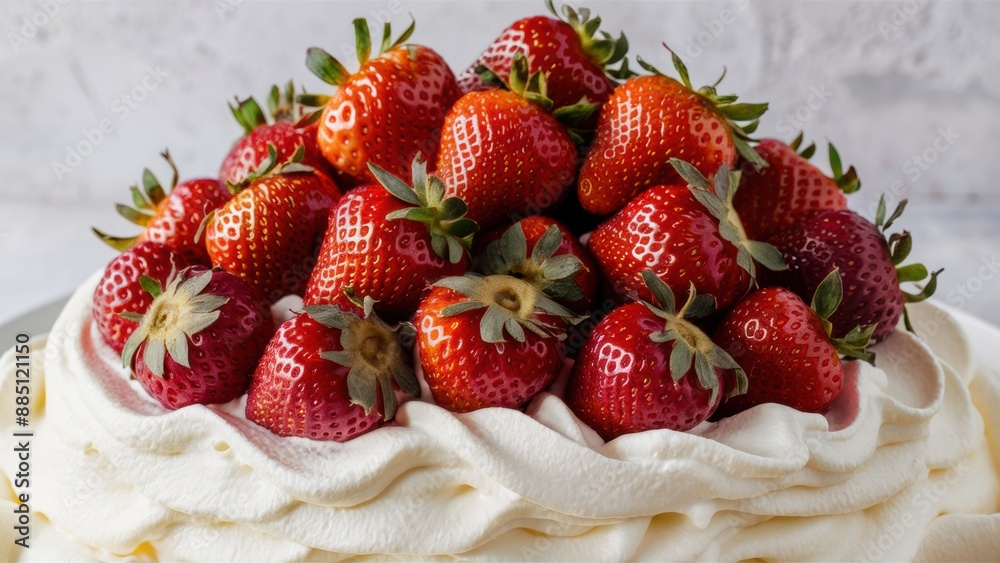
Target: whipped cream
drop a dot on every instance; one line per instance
(904, 466)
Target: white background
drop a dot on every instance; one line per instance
(909, 91)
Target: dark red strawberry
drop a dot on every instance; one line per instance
(328, 375)
(390, 241)
(770, 197)
(648, 367)
(651, 119)
(504, 154)
(387, 112)
(685, 235)
(785, 348)
(251, 150)
(545, 254)
(489, 342)
(568, 50)
(174, 219)
(119, 290)
(269, 232)
(199, 340)
(821, 240)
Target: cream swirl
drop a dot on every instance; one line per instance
(904, 443)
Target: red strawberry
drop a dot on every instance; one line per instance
(769, 197)
(199, 340)
(251, 150)
(648, 367)
(566, 50)
(685, 235)
(819, 241)
(468, 361)
(651, 119)
(785, 348)
(328, 375)
(174, 220)
(268, 234)
(388, 111)
(119, 290)
(390, 241)
(545, 254)
(504, 154)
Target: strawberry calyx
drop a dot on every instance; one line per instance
(900, 245)
(603, 49)
(145, 205)
(742, 118)
(691, 344)
(825, 302)
(280, 105)
(451, 231)
(373, 352)
(848, 182)
(533, 86)
(552, 275)
(720, 205)
(272, 167)
(177, 312)
(330, 70)
(511, 304)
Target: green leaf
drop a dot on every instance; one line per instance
(895, 215)
(707, 376)
(518, 79)
(328, 316)
(134, 216)
(154, 356)
(466, 285)
(154, 191)
(439, 243)
(912, 273)
(394, 185)
(680, 359)
(418, 171)
(177, 347)
(462, 228)
(492, 323)
(880, 213)
(900, 246)
(806, 153)
(926, 292)
(130, 316)
(701, 306)
(404, 36)
(389, 401)
(766, 255)
(461, 307)
(325, 67)
(312, 100)
(681, 68)
(131, 346)
(690, 174)
(362, 388)
(748, 154)
(362, 40)
(453, 208)
(547, 244)
(340, 357)
(121, 244)
(151, 286)
(661, 292)
(828, 295)
(743, 112)
(513, 245)
(405, 377)
(855, 344)
(835, 165)
(514, 329)
(562, 266)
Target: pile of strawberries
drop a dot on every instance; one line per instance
(456, 216)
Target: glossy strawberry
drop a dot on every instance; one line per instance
(171, 217)
(200, 338)
(251, 150)
(119, 290)
(489, 342)
(545, 254)
(650, 119)
(870, 264)
(785, 348)
(388, 112)
(769, 197)
(685, 235)
(648, 367)
(504, 154)
(389, 241)
(269, 232)
(568, 50)
(328, 374)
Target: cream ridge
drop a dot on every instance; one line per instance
(904, 466)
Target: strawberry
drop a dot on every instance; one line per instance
(200, 338)
(390, 241)
(650, 119)
(564, 48)
(685, 235)
(785, 348)
(545, 254)
(820, 240)
(268, 233)
(503, 153)
(171, 218)
(648, 367)
(328, 375)
(469, 362)
(119, 290)
(388, 111)
(770, 197)
(251, 150)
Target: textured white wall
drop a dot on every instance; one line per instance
(909, 91)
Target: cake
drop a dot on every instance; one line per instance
(391, 330)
